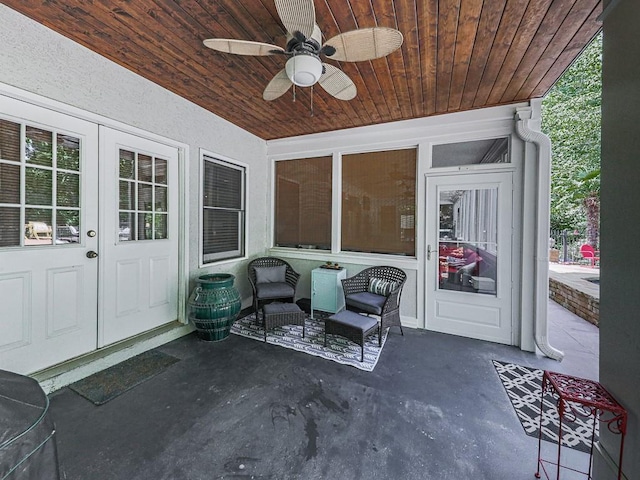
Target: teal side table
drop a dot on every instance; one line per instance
(326, 290)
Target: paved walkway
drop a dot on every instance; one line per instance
(576, 277)
(577, 338)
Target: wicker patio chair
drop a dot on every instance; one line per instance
(269, 284)
(360, 297)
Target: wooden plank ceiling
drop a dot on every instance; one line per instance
(457, 54)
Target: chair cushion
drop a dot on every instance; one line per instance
(271, 274)
(366, 302)
(353, 320)
(275, 290)
(380, 286)
(277, 308)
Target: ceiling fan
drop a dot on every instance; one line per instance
(304, 48)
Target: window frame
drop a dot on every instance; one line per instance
(336, 232)
(274, 191)
(241, 251)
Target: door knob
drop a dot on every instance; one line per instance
(91, 254)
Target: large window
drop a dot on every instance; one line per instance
(223, 209)
(303, 203)
(378, 202)
(377, 194)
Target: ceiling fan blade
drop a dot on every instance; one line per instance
(242, 47)
(297, 15)
(337, 83)
(365, 44)
(278, 86)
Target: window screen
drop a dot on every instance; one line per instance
(303, 203)
(378, 202)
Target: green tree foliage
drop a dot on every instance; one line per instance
(571, 118)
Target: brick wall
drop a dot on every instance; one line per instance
(583, 305)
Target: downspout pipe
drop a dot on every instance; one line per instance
(541, 267)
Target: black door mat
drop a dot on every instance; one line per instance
(106, 385)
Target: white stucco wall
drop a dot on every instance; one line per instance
(620, 228)
(38, 60)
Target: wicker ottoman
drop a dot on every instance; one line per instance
(279, 314)
(351, 325)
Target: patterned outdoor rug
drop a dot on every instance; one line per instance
(523, 386)
(106, 385)
(338, 349)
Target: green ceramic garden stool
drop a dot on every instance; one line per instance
(214, 305)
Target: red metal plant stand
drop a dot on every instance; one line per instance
(586, 398)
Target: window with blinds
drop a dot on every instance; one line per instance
(223, 209)
(303, 203)
(378, 202)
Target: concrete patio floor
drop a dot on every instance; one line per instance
(434, 408)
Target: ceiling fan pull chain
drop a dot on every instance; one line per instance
(294, 92)
(312, 100)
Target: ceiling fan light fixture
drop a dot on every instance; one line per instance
(304, 70)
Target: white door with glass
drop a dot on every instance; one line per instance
(468, 258)
(139, 245)
(48, 236)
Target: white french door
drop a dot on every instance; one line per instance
(468, 260)
(48, 236)
(139, 243)
(88, 236)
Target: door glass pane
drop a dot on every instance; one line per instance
(127, 195)
(9, 183)
(67, 226)
(38, 188)
(145, 168)
(38, 229)
(145, 197)
(161, 199)
(9, 141)
(68, 152)
(145, 226)
(10, 230)
(38, 147)
(467, 245)
(161, 171)
(127, 164)
(127, 227)
(160, 226)
(68, 190)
